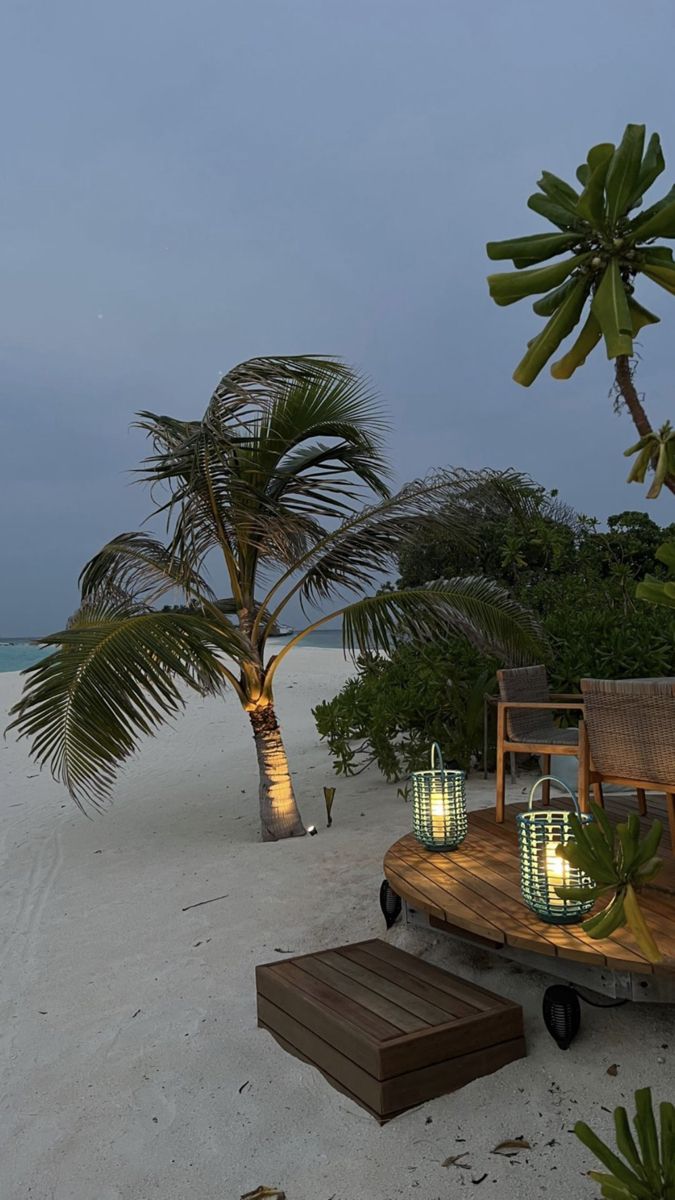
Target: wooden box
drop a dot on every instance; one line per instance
(385, 1027)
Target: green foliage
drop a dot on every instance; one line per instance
(644, 1168)
(609, 244)
(620, 862)
(396, 707)
(660, 591)
(581, 582)
(655, 451)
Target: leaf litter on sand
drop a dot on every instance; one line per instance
(511, 1147)
(264, 1193)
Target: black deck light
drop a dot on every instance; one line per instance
(562, 1013)
(390, 904)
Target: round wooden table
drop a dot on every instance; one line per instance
(474, 892)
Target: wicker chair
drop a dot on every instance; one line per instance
(628, 737)
(525, 724)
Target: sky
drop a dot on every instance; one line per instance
(188, 183)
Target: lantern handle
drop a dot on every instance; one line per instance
(554, 779)
(436, 750)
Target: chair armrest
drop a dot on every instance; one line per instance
(549, 704)
(573, 697)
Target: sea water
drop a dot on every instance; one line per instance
(16, 654)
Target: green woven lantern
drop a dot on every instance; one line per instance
(439, 805)
(540, 832)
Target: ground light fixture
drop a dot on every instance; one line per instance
(439, 805)
(542, 871)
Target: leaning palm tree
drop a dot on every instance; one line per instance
(282, 484)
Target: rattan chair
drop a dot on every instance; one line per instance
(628, 737)
(525, 725)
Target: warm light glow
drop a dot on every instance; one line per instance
(557, 869)
(438, 814)
(558, 874)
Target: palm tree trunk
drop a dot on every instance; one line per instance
(279, 813)
(627, 390)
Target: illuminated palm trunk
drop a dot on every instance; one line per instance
(279, 813)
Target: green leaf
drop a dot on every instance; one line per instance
(558, 327)
(610, 308)
(645, 1126)
(559, 192)
(536, 248)
(510, 286)
(643, 217)
(582, 173)
(653, 164)
(612, 1162)
(641, 316)
(548, 304)
(666, 554)
(654, 592)
(624, 171)
(576, 356)
(663, 275)
(555, 213)
(592, 199)
(660, 224)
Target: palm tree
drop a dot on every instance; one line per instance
(283, 483)
(609, 243)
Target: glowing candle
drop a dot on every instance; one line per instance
(557, 874)
(437, 815)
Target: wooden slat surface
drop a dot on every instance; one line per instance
(476, 888)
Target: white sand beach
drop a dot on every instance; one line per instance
(132, 1067)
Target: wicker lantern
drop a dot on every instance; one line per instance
(439, 805)
(540, 832)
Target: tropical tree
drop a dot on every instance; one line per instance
(607, 243)
(283, 483)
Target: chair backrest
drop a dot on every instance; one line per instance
(526, 683)
(631, 728)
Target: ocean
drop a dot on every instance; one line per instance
(18, 653)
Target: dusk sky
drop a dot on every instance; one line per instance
(187, 184)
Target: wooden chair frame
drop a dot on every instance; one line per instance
(545, 749)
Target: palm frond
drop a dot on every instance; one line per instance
(452, 504)
(259, 382)
(478, 608)
(140, 567)
(111, 679)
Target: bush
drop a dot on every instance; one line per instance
(394, 708)
(580, 581)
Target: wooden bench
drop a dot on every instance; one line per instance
(386, 1028)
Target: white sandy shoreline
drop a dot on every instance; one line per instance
(132, 1068)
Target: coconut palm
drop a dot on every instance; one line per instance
(608, 243)
(282, 485)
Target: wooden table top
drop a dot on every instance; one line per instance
(476, 890)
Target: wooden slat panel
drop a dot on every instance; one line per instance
(431, 1014)
(483, 887)
(471, 993)
(477, 1032)
(406, 891)
(412, 1088)
(377, 1004)
(348, 1027)
(450, 1006)
(451, 908)
(322, 1055)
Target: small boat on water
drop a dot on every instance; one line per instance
(281, 631)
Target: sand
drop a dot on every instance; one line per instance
(132, 1068)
